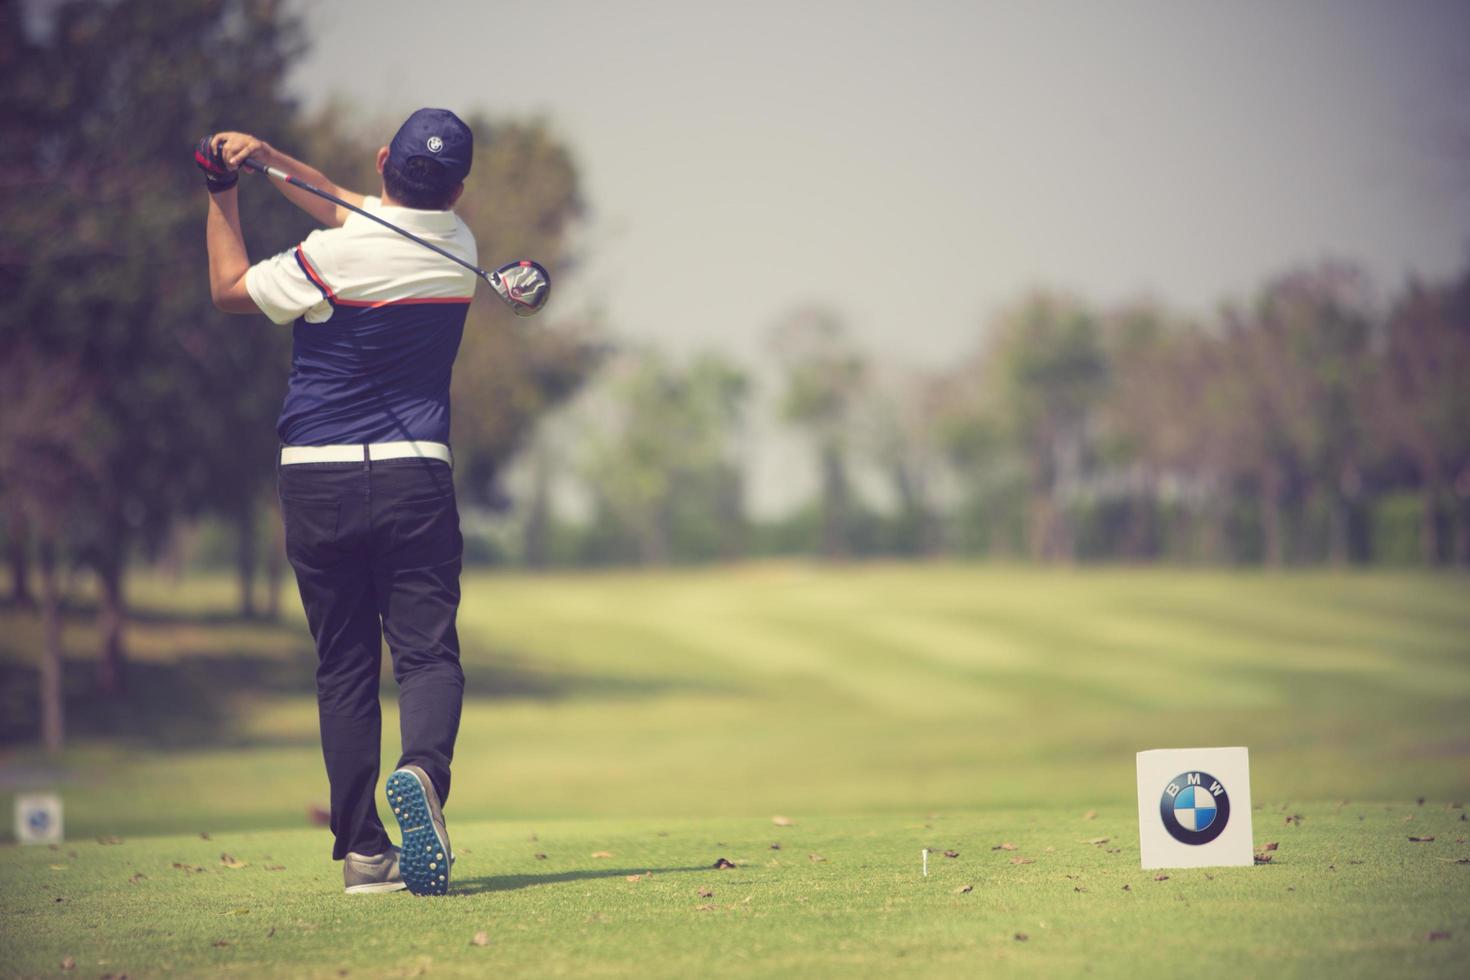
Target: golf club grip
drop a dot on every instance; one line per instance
(251, 164)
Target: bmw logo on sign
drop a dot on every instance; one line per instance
(1194, 808)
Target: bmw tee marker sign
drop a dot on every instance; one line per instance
(1194, 808)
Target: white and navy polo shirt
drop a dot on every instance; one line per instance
(378, 322)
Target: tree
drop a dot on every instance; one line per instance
(662, 460)
(1045, 360)
(1421, 402)
(101, 258)
(900, 420)
(47, 463)
(825, 376)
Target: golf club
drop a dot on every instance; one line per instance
(523, 285)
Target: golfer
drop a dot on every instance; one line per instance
(364, 474)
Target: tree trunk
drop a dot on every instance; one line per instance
(835, 542)
(111, 618)
(535, 540)
(245, 557)
(1429, 523)
(18, 551)
(1271, 488)
(52, 692)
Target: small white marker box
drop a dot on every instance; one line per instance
(1194, 808)
(38, 818)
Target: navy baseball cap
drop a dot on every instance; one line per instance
(438, 135)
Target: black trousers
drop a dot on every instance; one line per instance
(377, 553)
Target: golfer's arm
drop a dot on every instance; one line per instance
(228, 261)
(326, 212)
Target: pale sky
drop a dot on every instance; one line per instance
(915, 166)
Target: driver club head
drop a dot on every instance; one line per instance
(524, 285)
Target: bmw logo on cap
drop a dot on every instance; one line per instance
(1194, 808)
(435, 144)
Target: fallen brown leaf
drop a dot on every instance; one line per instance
(951, 854)
(723, 863)
(189, 868)
(1437, 935)
(109, 839)
(1263, 858)
(1098, 841)
(1090, 815)
(1161, 877)
(1295, 818)
(815, 858)
(602, 854)
(220, 943)
(275, 867)
(781, 821)
(1021, 860)
(775, 845)
(68, 963)
(1422, 840)
(1127, 888)
(1007, 846)
(230, 861)
(540, 856)
(964, 889)
(270, 932)
(1079, 888)
(203, 835)
(633, 878)
(137, 877)
(481, 938)
(706, 893)
(1021, 937)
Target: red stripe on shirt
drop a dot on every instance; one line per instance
(375, 303)
(310, 271)
(372, 304)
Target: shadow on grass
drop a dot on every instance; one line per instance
(506, 883)
(196, 699)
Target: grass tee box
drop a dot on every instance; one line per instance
(1037, 893)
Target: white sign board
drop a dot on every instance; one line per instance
(38, 818)
(1194, 808)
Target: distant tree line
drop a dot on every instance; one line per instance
(1307, 425)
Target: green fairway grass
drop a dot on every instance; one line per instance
(605, 708)
(1347, 896)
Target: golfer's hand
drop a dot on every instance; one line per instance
(235, 148)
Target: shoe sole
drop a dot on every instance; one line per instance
(377, 887)
(423, 859)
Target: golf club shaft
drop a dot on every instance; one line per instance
(251, 164)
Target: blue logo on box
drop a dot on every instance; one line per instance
(1194, 808)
